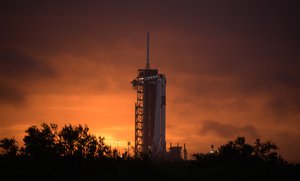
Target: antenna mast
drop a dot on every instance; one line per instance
(148, 47)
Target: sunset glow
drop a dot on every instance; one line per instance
(229, 72)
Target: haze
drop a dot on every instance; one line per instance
(232, 68)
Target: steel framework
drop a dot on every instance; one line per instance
(139, 118)
(150, 110)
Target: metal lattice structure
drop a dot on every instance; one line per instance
(139, 116)
(150, 111)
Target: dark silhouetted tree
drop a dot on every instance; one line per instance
(41, 142)
(115, 154)
(70, 141)
(266, 151)
(91, 147)
(236, 150)
(77, 141)
(9, 146)
(103, 150)
(239, 150)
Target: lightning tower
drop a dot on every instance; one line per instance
(150, 110)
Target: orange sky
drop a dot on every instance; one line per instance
(232, 68)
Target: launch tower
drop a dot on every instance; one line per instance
(150, 111)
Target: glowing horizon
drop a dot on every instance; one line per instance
(232, 69)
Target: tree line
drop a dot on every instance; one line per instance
(48, 141)
(238, 151)
(73, 153)
(76, 141)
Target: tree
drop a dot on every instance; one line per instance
(91, 150)
(77, 141)
(103, 150)
(115, 153)
(266, 151)
(236, 150)
(9, 146)
(41, 142)
(74, 141)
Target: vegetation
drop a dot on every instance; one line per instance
(47, 142)
(72, 153)
(238, 151)
(10, 147)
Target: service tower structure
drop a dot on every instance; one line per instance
(150, 111)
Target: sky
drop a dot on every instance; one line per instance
(232, 68)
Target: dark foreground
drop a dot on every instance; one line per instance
(118, 169)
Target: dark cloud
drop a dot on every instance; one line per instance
(282, 107)
(277, 90)
(243, 48)
(240, 58)
(18, 65)
(216, 27)
(10, 95)
(227, 130)
(18, 71)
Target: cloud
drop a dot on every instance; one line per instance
(11, 95)
(18, 71)
(223, 61)
(19, 65)
(227, 130)
(281, 107)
